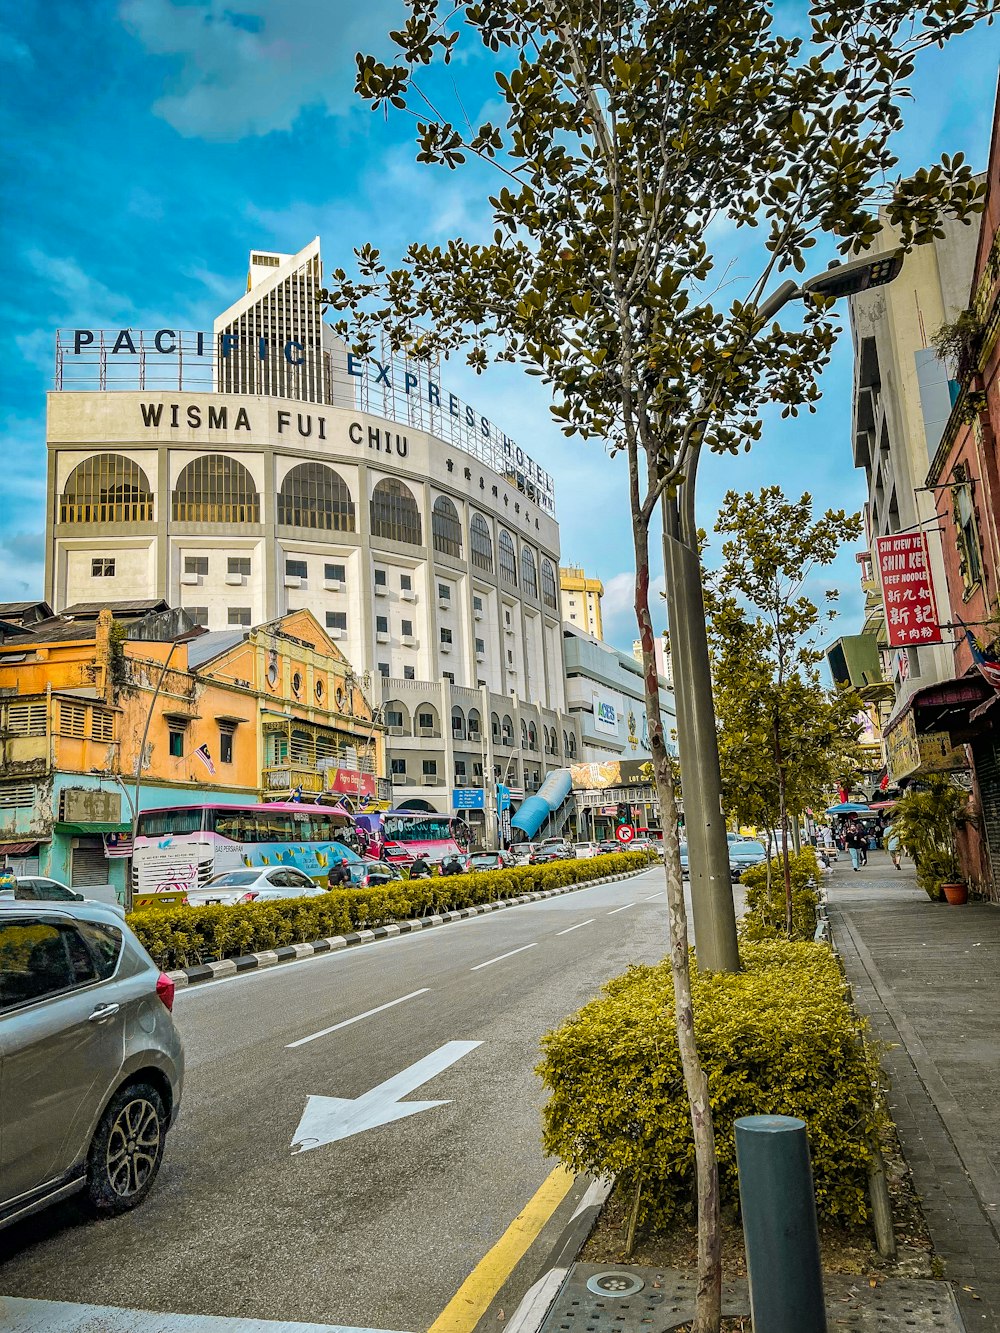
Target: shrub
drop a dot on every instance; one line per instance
(777, 1038)
(765, 909)
(182, 936)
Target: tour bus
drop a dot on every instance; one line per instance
(400, 835)
(180, 847)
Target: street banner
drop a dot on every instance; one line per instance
(911, 616)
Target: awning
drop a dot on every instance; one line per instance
(17, 848)
(94, 827)
(848, 808)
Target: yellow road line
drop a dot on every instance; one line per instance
(468, 1305)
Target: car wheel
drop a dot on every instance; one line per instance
(126, 1150)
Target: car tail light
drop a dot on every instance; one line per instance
(165, 990)
(249, 896)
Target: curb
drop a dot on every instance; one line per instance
(290, 953)
(537, 1300)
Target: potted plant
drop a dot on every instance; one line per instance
(926, 822)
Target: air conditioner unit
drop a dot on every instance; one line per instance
(409, 641)
(381, 637)
(509, 629)
(333, 585)
(190, 580)
(429, 780)
(236, 580)
(427, 731)
(444, 603)
(381, 590)
(399, 779)
(407, 595)
(461, 782)
(293, 581)
(480, 657)
(336, 633)
(397, 731)
(479, 613)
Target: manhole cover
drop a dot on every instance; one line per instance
(615, 1284)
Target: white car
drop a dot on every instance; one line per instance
(257, 884)
(41, 889)
(585, 850)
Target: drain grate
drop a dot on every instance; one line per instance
(598, 1299)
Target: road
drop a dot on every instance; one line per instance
(380, 1228)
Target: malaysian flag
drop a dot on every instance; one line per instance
(989, 666)
(202, 754)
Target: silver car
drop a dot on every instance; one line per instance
(258, 884)
(92, 1064)
(39, 888)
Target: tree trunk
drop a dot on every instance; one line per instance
(708, 1309)
(779, 760)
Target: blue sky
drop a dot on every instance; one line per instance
(152, 143)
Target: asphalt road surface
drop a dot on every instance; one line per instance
(339, 1214)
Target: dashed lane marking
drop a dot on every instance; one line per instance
(502, 956)
(576, 927)
(346, 1023)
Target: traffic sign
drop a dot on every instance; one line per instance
(625, 833)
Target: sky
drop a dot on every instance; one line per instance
(152, 143)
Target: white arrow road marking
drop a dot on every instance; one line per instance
(328, 1119)
(325, 1032)
(576, 927)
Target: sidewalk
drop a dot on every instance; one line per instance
(928, 978)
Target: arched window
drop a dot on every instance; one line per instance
(548, 584)
(572, 746)
(108, 488)
(474, 724)
(532, 737)
(524, 733)
(495, 726)
(457, 723)
(508, 565)
(395, 514)
(215, 489)
(397, 717)
(314, 496)
(507, 730)
(529, 579)
(482, 543)
(566, 743)
(446, 527)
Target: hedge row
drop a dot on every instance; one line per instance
(777, 1038)
(182, 936)
(765, 909)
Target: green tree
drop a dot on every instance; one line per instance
(784, 738)
(627, 130)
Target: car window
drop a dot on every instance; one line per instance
(233, 878)
(50, 891)
(105, 945)
(38, 958)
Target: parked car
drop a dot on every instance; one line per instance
(608, 847)
(586, 850)
(685, 871)
(255, 884)
(367, 874)
(552, 849)
(498, 860)
(743, 856)
(92, 1063)
(521, 852)
(38, 888)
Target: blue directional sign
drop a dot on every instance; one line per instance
(468, 798)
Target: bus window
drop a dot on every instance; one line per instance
(159, 823)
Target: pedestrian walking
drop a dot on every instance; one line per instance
(894, 848)
(338, 874)
(854, 845)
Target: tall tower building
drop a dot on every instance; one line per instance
(581, 600)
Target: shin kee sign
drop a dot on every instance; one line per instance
(910, 611)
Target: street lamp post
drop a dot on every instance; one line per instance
(713, 912)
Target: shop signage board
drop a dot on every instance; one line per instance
(911, 616)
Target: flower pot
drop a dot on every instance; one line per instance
(955, 893)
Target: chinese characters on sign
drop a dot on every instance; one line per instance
(910, 611)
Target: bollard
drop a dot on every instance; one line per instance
(779, 1225)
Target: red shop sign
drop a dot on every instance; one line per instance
(911, 616)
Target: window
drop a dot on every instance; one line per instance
(460, 768)
(105, 946)
(406, 629)
(239, 564)
(383, 670)
(480, 645)
(409, 673)
(297, 569)
(506, 615)
(394, 512)
(40, 959)
(24, 719)
(405, 583)
(380, 578)
(398, 766)
(426, 720)
(449, 676)
(315, 496)
(429, 767)
(333, 572)
(196, 564)
(72, 720)
(446, 635)
(393, 717)
(482, 543)
(508, 564)
(477, 603)
(239, 615)
(199, 614)
(510, 657)
(548, 584)
(446, 527)
(215, 489)
(108, 488)
(444, 592)
(336, 620)
(967, 529)
(225, 744)
(382, 624)
(175, 743)
(102, 725)
(102, 568)
(529, 579)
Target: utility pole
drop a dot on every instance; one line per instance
(713, 910)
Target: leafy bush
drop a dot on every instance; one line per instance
(777, 1038)
(182, 936)
(765, 909)
(926, 821)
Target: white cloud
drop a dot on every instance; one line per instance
(250, 69)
